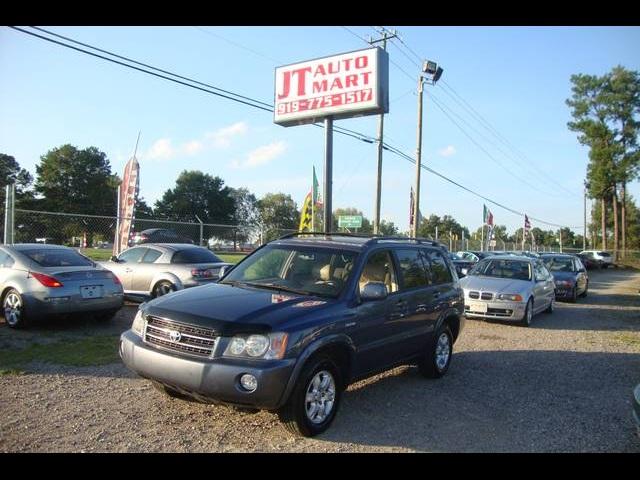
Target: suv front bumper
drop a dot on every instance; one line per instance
(216, 380)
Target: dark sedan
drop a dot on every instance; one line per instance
(158, 235)
(462, 266)
(569, 274)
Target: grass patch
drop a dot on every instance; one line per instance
(231, 257)
(100, 350)
(97, 254)
(628, 338)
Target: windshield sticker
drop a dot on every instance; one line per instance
(279, 297)
(310, 303)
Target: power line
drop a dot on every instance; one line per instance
(231, 42)
(341, 130)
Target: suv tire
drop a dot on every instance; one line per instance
(318, 386)
(437, 358)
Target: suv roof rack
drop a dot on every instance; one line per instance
(372, 237)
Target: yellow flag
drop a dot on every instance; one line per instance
(305, 217)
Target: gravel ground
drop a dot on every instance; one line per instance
(563, 385)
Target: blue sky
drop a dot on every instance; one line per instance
(517, 78)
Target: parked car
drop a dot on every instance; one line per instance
(37, 280)
(462, 266)
(589, 262)
(155, 269)
(569, 275)
(604, 259)
(293, 324)
(158, 235)
(508, 288)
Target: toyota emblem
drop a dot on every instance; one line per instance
(174, 336)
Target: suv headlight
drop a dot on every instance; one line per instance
(511, 297)
(267, 347)
(138, 323)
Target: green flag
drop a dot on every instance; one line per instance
(316, 189)
(484, 213)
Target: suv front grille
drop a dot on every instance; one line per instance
(180, 337)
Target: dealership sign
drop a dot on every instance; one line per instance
(341, 86)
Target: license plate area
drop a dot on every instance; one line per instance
(91, 291)
(478, 307)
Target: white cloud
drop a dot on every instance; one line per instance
(447, 151)
(221, 138)
(261, 155)
(161, 150)
(192, 147)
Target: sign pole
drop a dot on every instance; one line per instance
(328, 173)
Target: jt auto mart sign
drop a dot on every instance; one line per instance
(342, 86)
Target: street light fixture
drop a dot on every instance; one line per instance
(432, 69)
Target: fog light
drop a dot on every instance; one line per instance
(249, 382)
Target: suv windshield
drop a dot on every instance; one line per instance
(559, 264)
(298, 269)
(514, 269)
(51, 257)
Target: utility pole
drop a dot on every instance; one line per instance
(584, 235)
(376, 216)
(328, 174)
(416, 203)
(560, 239)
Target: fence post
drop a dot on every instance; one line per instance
(201, 230)
(9, 213)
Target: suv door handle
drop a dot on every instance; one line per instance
(421, 308)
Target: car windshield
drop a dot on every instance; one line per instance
(559, 264)
(194, 255)
(50, 257)
(514, 269)
(297, 269)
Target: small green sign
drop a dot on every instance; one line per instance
(350, 221)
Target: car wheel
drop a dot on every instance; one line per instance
(106, 316)
(528, 314)
(586, 288)
(163, 287)
(314, 401)
(551, 306)
(13, 309)
(436, 361)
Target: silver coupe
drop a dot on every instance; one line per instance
(508, 288)
(38, 280)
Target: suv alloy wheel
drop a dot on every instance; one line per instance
(437, 358)
(314, 401)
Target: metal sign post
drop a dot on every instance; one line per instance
(328, 173)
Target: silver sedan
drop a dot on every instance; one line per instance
(155, 269)
(508, 288)
(38, 280)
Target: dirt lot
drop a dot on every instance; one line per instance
(562, 385)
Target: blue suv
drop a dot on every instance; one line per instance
(293, 324)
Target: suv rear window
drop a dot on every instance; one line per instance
(50, 257)
(194, 255)
(604, 254)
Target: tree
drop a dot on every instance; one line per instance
(10, 172)
(245, 212)
(197, 193)
(605, 113)
(142, 210)
(278, 213)
(76, 181)
(446, 224)
(388, 228)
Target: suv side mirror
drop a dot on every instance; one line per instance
(374, 291)
(114, 259)
(223, 270)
